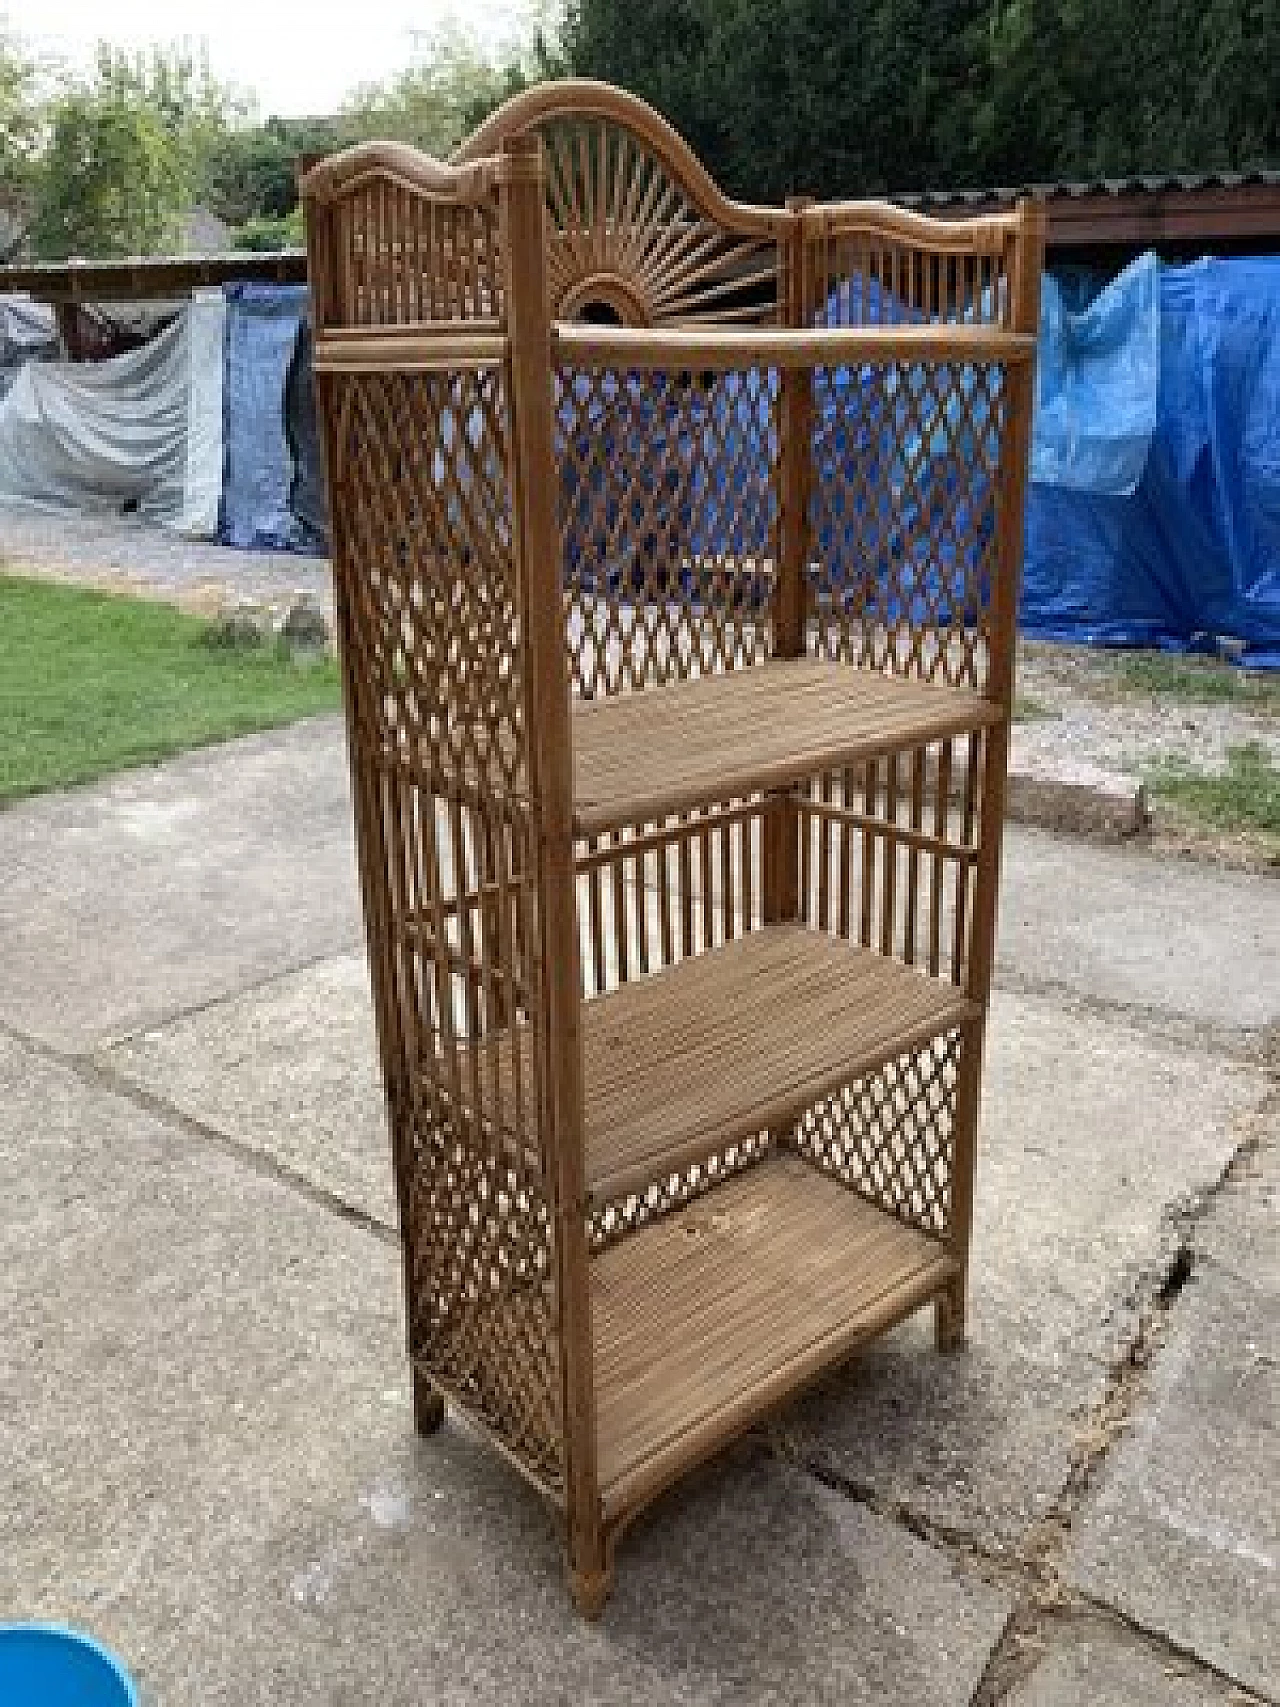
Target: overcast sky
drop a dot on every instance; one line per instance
(296, 58)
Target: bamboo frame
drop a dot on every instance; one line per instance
(678, 663)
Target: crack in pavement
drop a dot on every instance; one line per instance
(1047, 1597)
(105, 1077)
(208, 1004)
(1043, 1602)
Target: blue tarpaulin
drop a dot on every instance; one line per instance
(1153, 515)
(264, 323)
(1097, 380)
(1191, 555)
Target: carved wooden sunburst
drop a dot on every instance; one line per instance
(630, 238)
(640, 231)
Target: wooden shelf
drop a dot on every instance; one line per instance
(707, 1318)
(731, 1042)
(639, 756)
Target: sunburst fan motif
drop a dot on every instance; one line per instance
(630, 239)
(641, 235)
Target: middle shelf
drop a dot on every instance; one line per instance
(729, 1043)
(640, 756)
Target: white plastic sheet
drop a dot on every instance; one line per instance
(202, 486)
(142, 430)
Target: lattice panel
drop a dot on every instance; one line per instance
(406, 258)
(484, 1312)
(429, 599)
(424, 503)
(462, 934)
(890, 1136)
(669, 516)
(903, 511)
(628, 238)
(614, 1221)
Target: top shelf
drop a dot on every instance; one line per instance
(639, 757)
(786, 346)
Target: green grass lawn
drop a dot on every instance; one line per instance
(1199, 681)
(90, 683)
(1245, 797)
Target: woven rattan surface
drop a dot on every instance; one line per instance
(638, 757)
(708, 1317)
(732, 1042)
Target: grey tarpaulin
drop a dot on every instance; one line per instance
(140, 431)
(28, 332)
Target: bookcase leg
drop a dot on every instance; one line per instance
(428, 1405)
(591, 1578)
(949, 1316)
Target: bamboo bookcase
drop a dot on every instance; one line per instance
(676, 546)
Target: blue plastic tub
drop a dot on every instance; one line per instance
(43, 1665)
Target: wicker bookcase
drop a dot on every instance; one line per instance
(676, 547)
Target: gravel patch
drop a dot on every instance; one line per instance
(1091, 714)
(130, 554)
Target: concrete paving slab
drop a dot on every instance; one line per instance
(290, 1068)
(1240, 1234)
(206, 1459)
(167, 887)
(1097, 1663)
(1184, 1534)
(1089, 1129)
(1123, 926)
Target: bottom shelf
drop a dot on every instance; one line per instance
(709, 1317)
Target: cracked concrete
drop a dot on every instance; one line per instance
(1069, 1237)
(205, 1439)
(1184, 1534)
(208, 1460)
(1099, 1662)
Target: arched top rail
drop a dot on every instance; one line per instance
(884, 220)
(580, 102)
(406, 168)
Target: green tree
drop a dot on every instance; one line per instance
(846, 97)
(268, 232)
(434, 102)
(123, 154)
(250, 170)
(19, 135)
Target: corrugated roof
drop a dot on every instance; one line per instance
(1139, 184)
